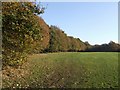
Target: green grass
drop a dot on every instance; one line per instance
(71, 70)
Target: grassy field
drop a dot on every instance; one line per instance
(66, 70)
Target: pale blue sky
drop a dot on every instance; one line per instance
(96, 23)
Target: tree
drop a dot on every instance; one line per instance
(54, 40)
(43, 42)
(20, 31)
(58, 40)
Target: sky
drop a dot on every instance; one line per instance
(95, 22)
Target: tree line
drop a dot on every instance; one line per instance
(24, 33)
(110, 47)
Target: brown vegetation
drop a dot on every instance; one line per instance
(24, 32)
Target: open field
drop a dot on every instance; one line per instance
(66, 70)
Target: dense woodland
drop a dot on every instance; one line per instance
(110, 47)
(24, 33)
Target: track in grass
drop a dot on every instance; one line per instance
(71, 69)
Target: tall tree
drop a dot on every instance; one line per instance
(20, 30)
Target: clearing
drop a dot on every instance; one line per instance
(65, 70)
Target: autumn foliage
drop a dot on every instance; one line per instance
(20, 31)
(24, 32)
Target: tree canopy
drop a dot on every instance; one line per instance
(24, 32)
(20, 30)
